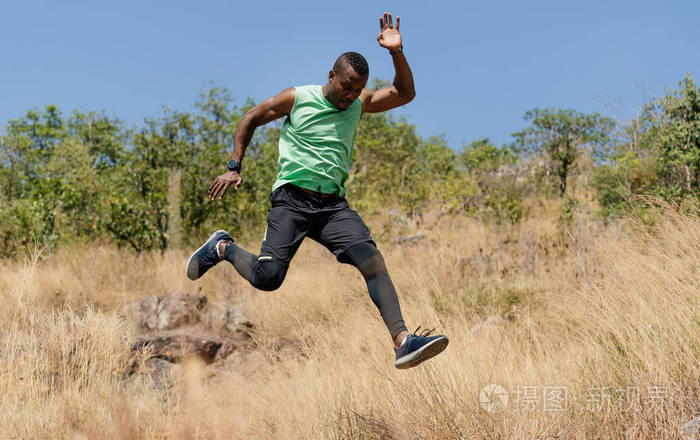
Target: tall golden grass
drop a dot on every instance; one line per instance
(592, 327)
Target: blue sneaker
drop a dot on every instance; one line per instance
(419, 347)
(206, 256)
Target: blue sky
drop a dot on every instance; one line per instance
(478, 66)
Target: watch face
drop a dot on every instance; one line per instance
(233, 165)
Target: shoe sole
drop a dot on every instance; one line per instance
(424, 353)
(192, 267)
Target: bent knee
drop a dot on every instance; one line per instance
(268, 275)
(366, 258)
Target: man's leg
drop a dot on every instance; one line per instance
(348, 238)
(286, 228)
(369, 261)
(262, 272)
(410, 349)
(346, 235)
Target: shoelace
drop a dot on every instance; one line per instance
(425, 333)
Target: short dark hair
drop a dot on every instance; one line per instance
(354, 60)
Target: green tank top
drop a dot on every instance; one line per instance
(316, 142)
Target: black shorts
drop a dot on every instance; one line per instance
(296, 214)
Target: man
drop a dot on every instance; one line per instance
(315, 150)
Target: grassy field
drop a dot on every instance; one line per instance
(592, 328)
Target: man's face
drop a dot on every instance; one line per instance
(344, 86)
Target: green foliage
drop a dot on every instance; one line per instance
(490, 183)
(559, 135)
(505, 204)
(25, 224)
(657, 154)
(482, 155)
(130, 221)
(614, 193)
(618, 183)
(86, 176)
(105, 137)
(70, 177)
(674, 132)
(392, 163)
(568, 211)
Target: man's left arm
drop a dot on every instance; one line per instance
(402, 91)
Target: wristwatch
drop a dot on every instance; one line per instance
(234, 165)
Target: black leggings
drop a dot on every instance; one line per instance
(266, 273)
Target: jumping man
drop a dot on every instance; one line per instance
(308, 198)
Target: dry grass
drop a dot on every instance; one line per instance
(609, 314)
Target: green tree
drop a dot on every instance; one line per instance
(674, 133)
(241, 212)
(656, 153)
(490, 183)
(482, 155)
(559, 135)
(137, 211)
(27, 147)
(393, 164)
(105, 137)
(30, 197)
(50, 180)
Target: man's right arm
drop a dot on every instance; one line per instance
(267, 111)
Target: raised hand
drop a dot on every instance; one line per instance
(389, 36)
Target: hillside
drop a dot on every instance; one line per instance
(591, 326)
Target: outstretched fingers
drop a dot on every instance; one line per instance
(387, 22)
(217, 189)
(213, 189)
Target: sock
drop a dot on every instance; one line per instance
(221, 257)
(405, 338)
(241, 259)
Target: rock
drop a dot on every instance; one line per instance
(178, 347)
(142, 313)
(691, 430)
(174, 328)
(411, 239)
(179, 309)
(222, 316)
(161, 372)
(154, 313)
